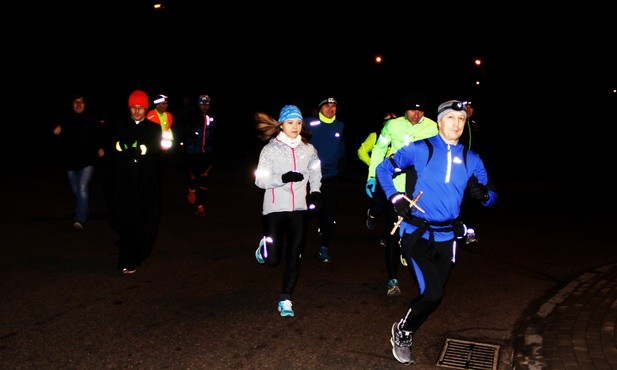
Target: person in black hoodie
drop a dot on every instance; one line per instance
(81, 139)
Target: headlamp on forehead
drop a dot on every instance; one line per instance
(203, 99)
(457, 105)
(327, 101)
(160, 99)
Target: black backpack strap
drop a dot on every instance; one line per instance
(430, 149)
(411, 175)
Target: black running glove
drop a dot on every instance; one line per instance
(477, 190)
(314, 201)
(402, 207)
(292, 176)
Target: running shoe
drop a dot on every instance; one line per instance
(324, 254)
(471, 239)
(285, 308)
(200, 211)
(258, 255)
(393, 289)
(401, 345)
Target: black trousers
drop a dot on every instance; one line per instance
(330, 194)
(199, 166)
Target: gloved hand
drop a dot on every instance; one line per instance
(402, 207)
(477, 190)
(292, 176)
(371, 185)
(314, 201)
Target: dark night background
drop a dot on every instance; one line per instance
(545, 101)
(546, 104)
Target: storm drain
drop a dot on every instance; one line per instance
(461, 354)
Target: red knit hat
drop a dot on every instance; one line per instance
(138, 97)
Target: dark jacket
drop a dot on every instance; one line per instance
(200, 134)
(329, 141)
(81, 137)
(135, 194)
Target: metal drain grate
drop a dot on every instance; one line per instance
(461, 354)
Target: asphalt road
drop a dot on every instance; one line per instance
(201, 301)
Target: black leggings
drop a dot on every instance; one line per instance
(431, 263)
(393, 249)
(290, 227)
(199, 166)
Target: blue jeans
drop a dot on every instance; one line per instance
(80, 184)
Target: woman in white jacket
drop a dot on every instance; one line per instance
(288, 166)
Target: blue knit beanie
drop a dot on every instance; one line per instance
(290, 112)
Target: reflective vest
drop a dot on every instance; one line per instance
(165, 120)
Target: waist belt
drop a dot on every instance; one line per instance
(431, 225)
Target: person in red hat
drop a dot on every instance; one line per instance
(135, 204)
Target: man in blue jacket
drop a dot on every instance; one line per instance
(327, 137)
(429, 228)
